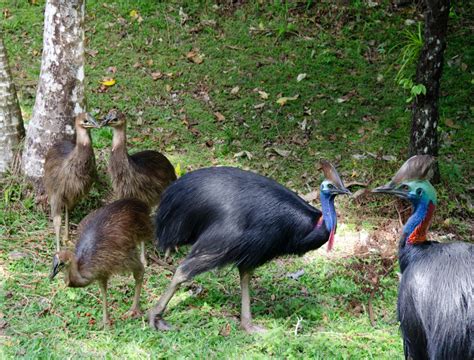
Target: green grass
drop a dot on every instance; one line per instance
(350, 104)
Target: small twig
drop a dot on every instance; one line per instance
(371, 310)
(356, 183)
(298, 325)
(399, 215)
(162, 263)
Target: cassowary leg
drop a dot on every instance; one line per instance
(245, 315)
(167, 254)
(135, 311)
(142, 253)
(155, 316)
(57, 229)
(66, 225)
(105, 317)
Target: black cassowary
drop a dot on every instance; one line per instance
(237, 217)
(435, 299)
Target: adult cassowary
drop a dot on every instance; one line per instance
(232, 216)
(435, 299)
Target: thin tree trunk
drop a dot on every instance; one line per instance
(11, 122)
(424, 136)
(60, 92)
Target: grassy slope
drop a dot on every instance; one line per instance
(341, 51)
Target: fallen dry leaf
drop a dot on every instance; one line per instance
(301, 77)
(92, 53)
(389, 158)
(281, 152)
(283, 100)
(135, 15)
(108, 82)
(450, 123)
(311, 196)
(168, 87)
(225, 331)
(156, 75)
(263, 95)
(259, 106)
(194, 57)
(219, 116)
(244, 153)
(235, 90)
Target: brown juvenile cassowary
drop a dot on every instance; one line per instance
(436, 294)
(143, 175)
(237, 217)
(69, 171)
(108, 244)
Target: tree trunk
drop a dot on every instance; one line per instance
(424, 136)
(60, 91)
(11, 122)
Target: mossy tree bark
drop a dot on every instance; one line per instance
(60, 92)
(424, 135)
(11, 122)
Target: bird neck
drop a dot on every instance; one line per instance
(416, 229)
(73, 277)
(329, 216)
(82, 136)
(119, 141)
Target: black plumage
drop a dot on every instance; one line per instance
(241, 218)
(436, 294)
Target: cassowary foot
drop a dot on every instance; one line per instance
(159, 324)
(107, 324)
(133, 314)
(253, 329)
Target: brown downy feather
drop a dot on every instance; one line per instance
(108, 239)
(143, 175)
(69, 171)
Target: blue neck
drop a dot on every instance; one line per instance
(419, 213)
(329, 212)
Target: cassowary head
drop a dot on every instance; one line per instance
(411, 182)
(114, 118)
(86, 121)
(61, 260)
(332, 184)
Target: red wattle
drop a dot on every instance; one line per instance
(331, 239)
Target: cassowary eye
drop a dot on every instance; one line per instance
(405, 187)
(330, 186)
(419, 191)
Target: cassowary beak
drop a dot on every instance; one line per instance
(57, 266)
(108, 118)
(91, 122)
(389, 189)
(342, 191)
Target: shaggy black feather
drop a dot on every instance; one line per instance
(435, 303)
(235, 217)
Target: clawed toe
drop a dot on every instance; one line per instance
(253, 329)
(133, 314)
(159, 324)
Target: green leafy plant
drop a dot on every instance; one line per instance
(410, 52)
(415, 89)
